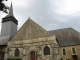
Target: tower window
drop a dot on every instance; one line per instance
(64, 52)
(46, 50)
(17, 52)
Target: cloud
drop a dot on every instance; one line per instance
(50, 14)
(67, 6)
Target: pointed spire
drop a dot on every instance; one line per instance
(11, 10)
(10, 16)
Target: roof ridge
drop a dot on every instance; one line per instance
(61, 29)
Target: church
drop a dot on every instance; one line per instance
(32, 42)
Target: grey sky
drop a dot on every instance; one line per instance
(50, 14)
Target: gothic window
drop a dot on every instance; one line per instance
(17, 52)
(64, 52)
(73, 51)
(46, 50)
(32, 55)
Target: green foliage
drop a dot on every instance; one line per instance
(14, 59)
(61, 59)
(3, 7)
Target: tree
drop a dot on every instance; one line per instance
(3, 7)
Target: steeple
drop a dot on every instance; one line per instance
(10, 12)
(10, 16)
(9, 24)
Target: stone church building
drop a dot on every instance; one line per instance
(30, 42)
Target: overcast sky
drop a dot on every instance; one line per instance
(50, 14)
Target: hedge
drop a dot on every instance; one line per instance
(14, 59)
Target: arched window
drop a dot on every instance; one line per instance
(46, 50)
(64, 52)
(73, 51)
(16, 52)
(32, 55)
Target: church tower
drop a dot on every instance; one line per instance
(9, 24)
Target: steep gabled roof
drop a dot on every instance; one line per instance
(67, 36)
(30, 30)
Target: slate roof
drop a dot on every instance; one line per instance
(66, 36)
(10, 16)
(30, 30)
(10, 12)
(4, 40)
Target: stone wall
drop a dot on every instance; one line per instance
(37, 45)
